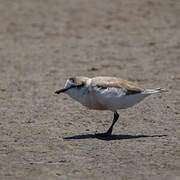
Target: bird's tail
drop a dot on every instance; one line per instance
(153, 91)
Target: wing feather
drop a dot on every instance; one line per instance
(113, 82)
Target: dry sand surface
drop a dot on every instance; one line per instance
(42, 43)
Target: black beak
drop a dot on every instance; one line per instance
(65, 89)
(61, 90)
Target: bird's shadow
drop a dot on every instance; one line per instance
(105, 137)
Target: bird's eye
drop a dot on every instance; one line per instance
(71, 79)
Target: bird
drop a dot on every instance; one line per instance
(106, 93)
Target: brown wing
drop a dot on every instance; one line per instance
(117, 83)
(79, 80)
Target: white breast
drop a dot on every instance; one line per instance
(79, 94)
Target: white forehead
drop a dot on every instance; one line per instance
(88, 82)
(68, 83)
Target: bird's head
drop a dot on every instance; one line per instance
(70, 83)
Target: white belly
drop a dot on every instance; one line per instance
(117, 99)
(105, 99)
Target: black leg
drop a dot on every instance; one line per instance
(116, 116)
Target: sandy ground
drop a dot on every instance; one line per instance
(42, 43)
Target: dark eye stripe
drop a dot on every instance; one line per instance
(77, 85)
(71, 79)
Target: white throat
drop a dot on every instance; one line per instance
(79, 93)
